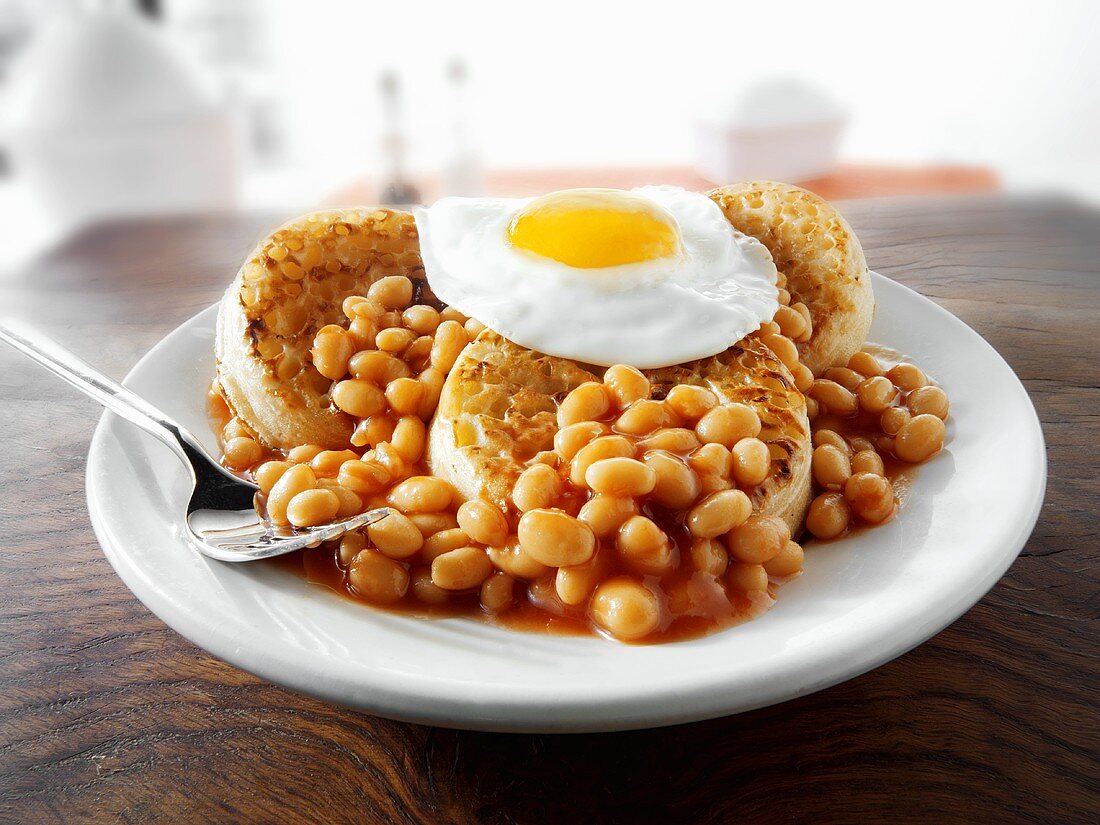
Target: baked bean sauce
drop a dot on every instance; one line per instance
(668, 573)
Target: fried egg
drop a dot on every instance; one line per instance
(649, 277)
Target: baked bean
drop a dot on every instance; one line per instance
(835, 398)
(268, 473)
(746, 578)
(426, 590)
(847, 378)
(711, 459)
(803, 378)
(919, 439)
(676, 485)
(483, 522)
(421, 319)
(377, 578)
(718, 513)
(783, 348)
(643, 417)
(785, 298)
(928, 401)
(419, 352)
(332, 347)
(644, 547)
(626, 385)
(391, 292)
(450, 340)
(362, 332)
(409, 437)
(786, 562)
(547, 457)
(378, 367)
(870, 496)
(350, 307)
(395, 536)
(812, 407)
(625, 608)
(758, 539)
(708, 556)
(433, 380)
(312, 507)
(351, 544)
(791, 323)
(751, 462)
(620, 477)
(868, 461)
(303, 454)
(350, 503)
(363, 477)
(728, 424)
(536, 488)
(293, 481)
(461, 569)
(394, 340)
(569, 440)
(372, 431)
(832, 437)
(574, 584)
(831, 467)
(431, 523)
(587, 402)
(497, 592)
(860, 442)
(606, 514)
(242, 453)
(876, 394)
(358, 398)
(327, 463)
(893, 419)
(422, 494)
(672, 439)
(555, 538)
(452, 314)
(828, 515)
(907, 376)
(690, 402)
(235, 428)
(865, 364)
(712, 484)
(804, 311)
(386, 455)
(473, 328)
(442, 542)
(512, 560)
(608, 446)
(768, 328)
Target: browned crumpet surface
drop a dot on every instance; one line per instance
(106, 715)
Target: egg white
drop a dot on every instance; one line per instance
(717, 289)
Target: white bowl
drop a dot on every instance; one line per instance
(861, 601)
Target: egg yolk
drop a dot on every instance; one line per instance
(595, 228)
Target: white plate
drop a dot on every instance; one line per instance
(860, 602)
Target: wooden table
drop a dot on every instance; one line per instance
(106, 714)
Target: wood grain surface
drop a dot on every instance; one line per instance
(106, 715)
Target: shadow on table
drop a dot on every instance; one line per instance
(852, 753)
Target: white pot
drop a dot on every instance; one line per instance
(107, 118)
(790, 152)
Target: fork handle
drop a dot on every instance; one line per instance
(95, 384)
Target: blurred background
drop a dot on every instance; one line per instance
(147, 107)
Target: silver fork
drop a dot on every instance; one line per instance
(221, 517)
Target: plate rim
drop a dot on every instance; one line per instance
(695, 701)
